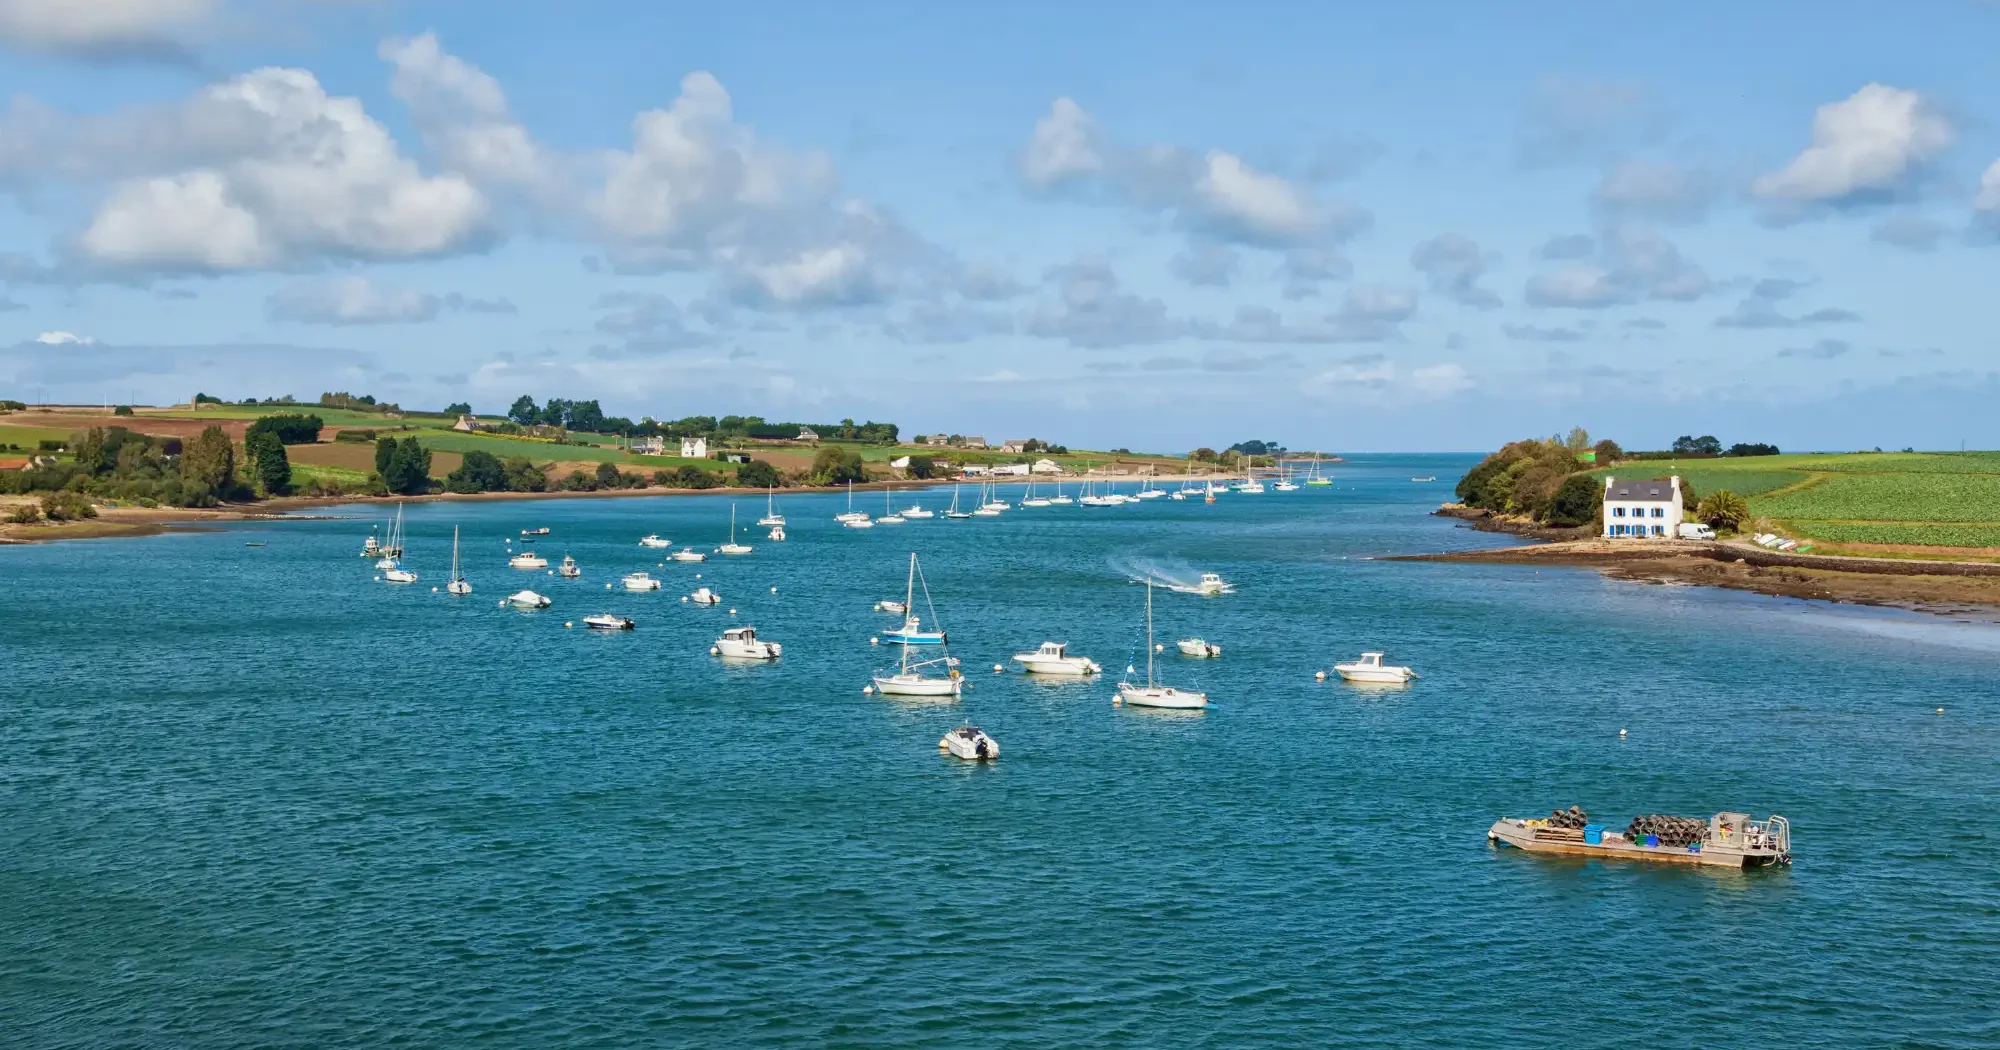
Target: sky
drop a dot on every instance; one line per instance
(1422, 226)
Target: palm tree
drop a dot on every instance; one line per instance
(1723, 510)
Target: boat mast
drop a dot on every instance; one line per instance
(909, 605)
(1149, 630)
(454, 554)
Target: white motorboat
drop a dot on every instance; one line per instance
(528, 560)
(608, 622)
(742, 643)
(704, 596)
(890, 605)
(777, 534)
(971, 743)
(1153, 694)
(1370, 668)
(399, 576)
(862, 522)
(689, 554)
(771, 518)
(526, 600)
(733, 547)
(639, 581)
(1053, 658)
(916, 512)
(372, 548)
(655, 540)
(458, 584)
(1209, 585)
(910, 678)
(1433, 477)
(1198, 649)
(543, 531)
(569, 570)
(851, 515)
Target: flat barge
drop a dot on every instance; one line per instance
(1726, 840)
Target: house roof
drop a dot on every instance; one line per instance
(1653, 490)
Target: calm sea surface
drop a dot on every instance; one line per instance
(251, 797)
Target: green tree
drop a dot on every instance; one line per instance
(1576, 502)
(458, 408)
(524, 411)
(291, 428)
(523, 476)
(269, 462)
(923, 467)
(607, 476)
(1608, 452)
(409, 467)
(478, 472)
(759, 475)
(385, 452)
(834, 466)
(693, 477)
(122, 410)
(208, 464)
(1723, 510)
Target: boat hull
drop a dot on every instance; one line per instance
(753, 651)
(1172, 699)
(1072, 666)
(1531, 839)
(916, 685)
(1374, 675)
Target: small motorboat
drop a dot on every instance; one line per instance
(777, 534)
(742, 643)
(862, 522)
(372, 548)
(568, 570)
(654, 539)
(1054, 658)
(891, 605)
(912, 633)
(528, 560)
(608, 622)
(1370, 668)
(526, 600)
(1420, 481)
(1198, 649)
(399, 576)
(971, 743)
(689, 554)
(916, 512)
(543, 531)
(639, 581)
(704, 596)
(1209, 585)
(386, 563)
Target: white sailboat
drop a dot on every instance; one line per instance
(953, 512)
(1033, 500)
(458, 584)
(910, 679)
(771, 518)
(1285, 483)
(393, 548)
(1147, 491)
(1060, 500)
(1153, 694)
(733, 547)
(1249, 482)
(993, 500)
(399, 576)
(889, 516)
(851, 514)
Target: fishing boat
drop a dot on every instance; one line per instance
(851, 514)
(372, 547)
(1209, 585)
(771, 518)
(689, 554)
(889, 516)
(1198, 649)
(912, 633)
(458, 584)
(654, 539)
(543, 531)
(910, 678)
(526, 600)
(953, 512)
(742, 643)
(971, 743)
(1370, 668)
(608, 622)
(704, 596)
(399, 576)
(1153, 694)
(916, 512)
(640, 581)
(568, 570)
(1053, 658)
(1724, 840)
(733, 547)
(528, 560)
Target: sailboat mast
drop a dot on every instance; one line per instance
(909, 606)
(1149, 630)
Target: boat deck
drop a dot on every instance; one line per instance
(1538, 838)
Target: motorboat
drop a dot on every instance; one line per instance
(916, 512)
(639, 581)
(971, 743)
(862, 522)
(528, 560)
(543, 531)
(1198, 649)
(526, 600)
(912, 633)
(704, 596)
(890, 605)
(608, 622)
(742, 643)
(850, 515)
(771, 518)
(1209, 585)
(458, 584)
(1433, 477)
(689, 554)
(1370, 668)
(910, 679)
(399, 576)
(372, 547)
(1053, 658)
(777, 534)
(733, 547)
(1153, 694)
(654, 539)
(568, 570)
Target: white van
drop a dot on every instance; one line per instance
(1694, 530)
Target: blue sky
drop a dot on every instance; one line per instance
(1421, 226)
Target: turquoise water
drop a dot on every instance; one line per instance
(250, 797)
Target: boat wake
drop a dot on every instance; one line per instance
(1172, 576)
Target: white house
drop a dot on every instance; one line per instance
(1046, 466)
(935, 440)
(1016, 445)
(650, 446)
(694, 448)
(975, 470)
(1011, 470)
(1652, 509)
(807, 434)
(900, 463)
(975, 442)
(466, 423)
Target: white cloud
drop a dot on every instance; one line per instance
(1440, 380)
(1254, 205)
(62, 338)
(350, 300)
(1063, 146)
(462, 114)
(1629, 267)
(1989, 189)
(98, 27)
(1872, 141)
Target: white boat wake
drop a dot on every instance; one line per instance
(1175, 576)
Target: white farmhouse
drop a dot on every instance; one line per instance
(1010, 470)
(694, 448)
(1046, 466)
(650, 446)
(1652, 509)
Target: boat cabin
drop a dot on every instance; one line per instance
(1053, 650)
(740, 634)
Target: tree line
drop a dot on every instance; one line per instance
(1550, 481)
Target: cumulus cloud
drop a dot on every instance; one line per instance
(1626, 267)
(1063, 146)
(1872, 143)
(1090, 309)
(1906, 229)
(1989, 189)
(100, 28)
(356, 300)
(462, 114)
(1454, 263)
(62, 338)
(1663, 191)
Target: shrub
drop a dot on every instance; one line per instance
(759, 474)
(478, 472)
(1576, 501)
(607, 476)
(693, 477)
(122, 410)
(67, 506)
(24, 514)
(357, 436)
(291, 428)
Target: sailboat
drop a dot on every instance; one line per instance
(1147, 491)
(889, 516)
(1034, 500)
(993, 500)
(1315, 479)
(733, 547)
(458, 584)
(392, 549)
(771, 518)
(910, 679)
(851, 516)
(1285, 483)
(1060, 500)
(1153, 694)
(988, 506)
(1249, 482)
(953, 511)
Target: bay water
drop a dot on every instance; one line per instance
(254, 797)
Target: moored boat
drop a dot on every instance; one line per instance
(399, 576)
(1053, 658)
(1370, 668)
(689, 554)
(704, 596)
(640, 581)
(1198, 649)
(1725, 840)
(528, 560)
(1153, 694)
(971, 743)
(568, 570)
(526, 600)
(654, 539)
(608, 622)
(742, 643)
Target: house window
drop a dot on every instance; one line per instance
(1659, 512)
(1659, 530)
(1618, 512)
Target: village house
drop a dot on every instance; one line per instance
(650, 446)
(807, 434)
(1046, 466)
(1652, 509)
(694, 448)
(900, 463)
(1017, 445)
(937, 440)
(466, 423)
(974, 470)
(975, 442)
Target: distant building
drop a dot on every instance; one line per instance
(808, 434)
(975, 442)
(694, 448)
(900, 463)
(1046, 466)
(466, 423)
(974, 470)
(736, 457)
(937, 440)
(651, 446)
(1020, 445)
(1011, 470)
(1652, 509)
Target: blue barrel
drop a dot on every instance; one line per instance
(1652, 840)
(1593, 834)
